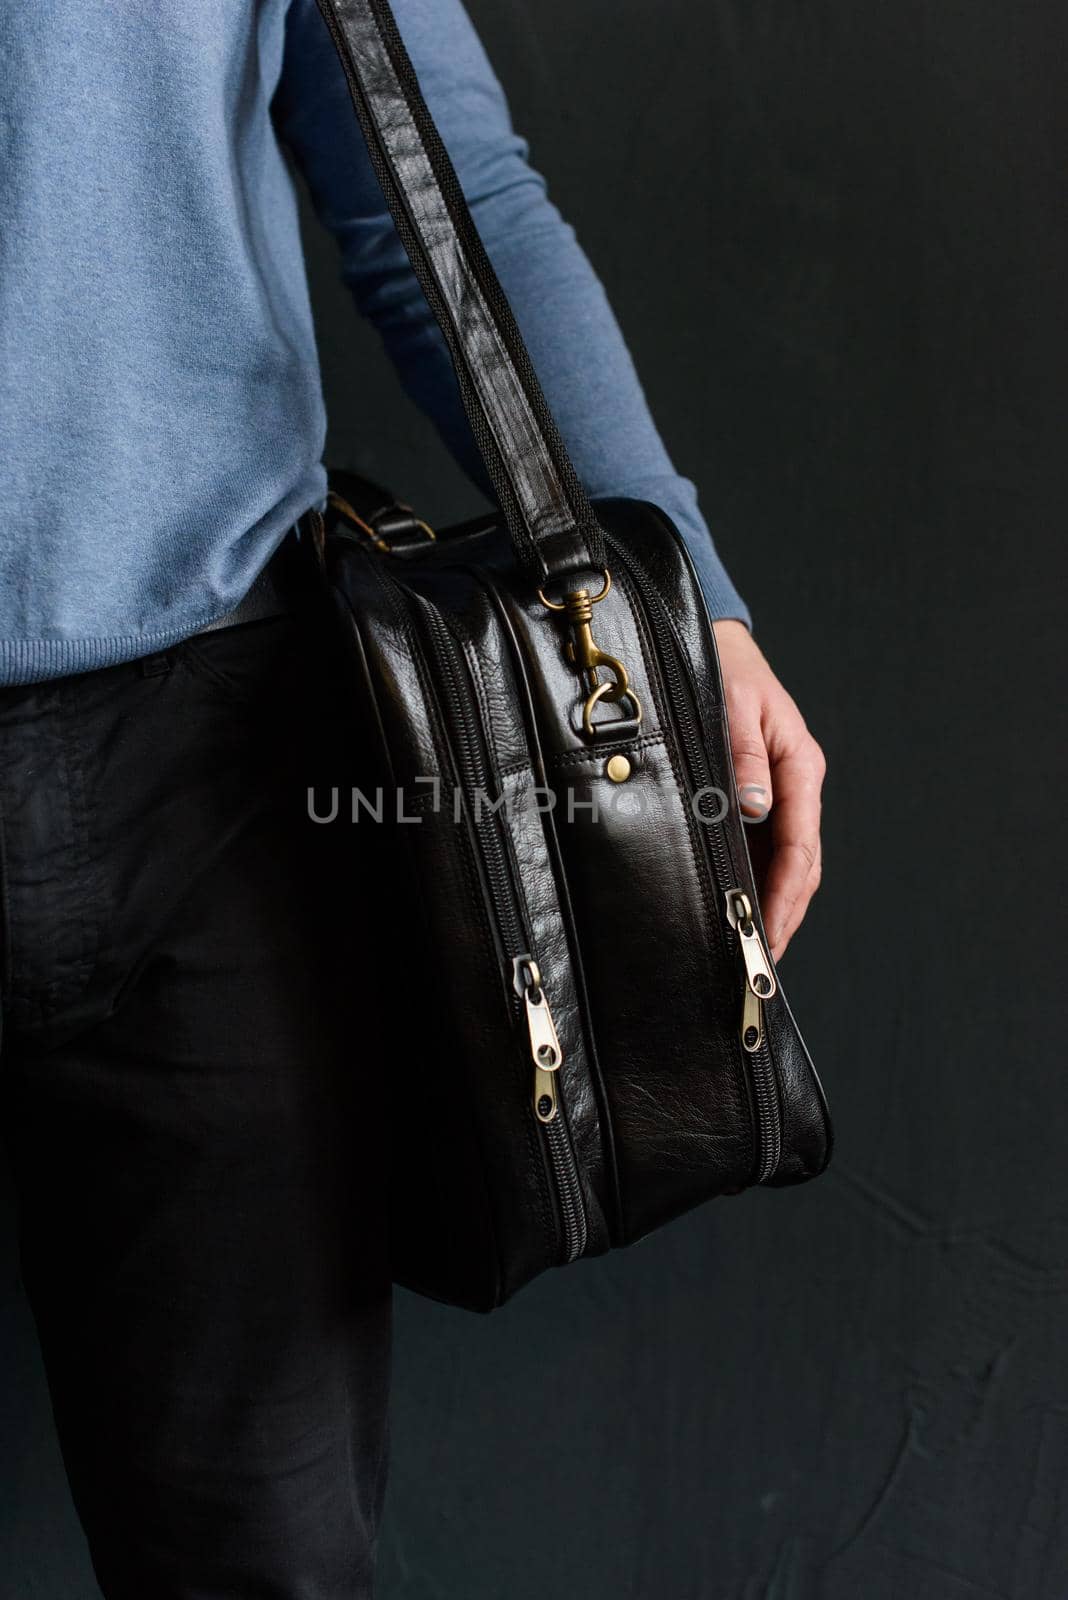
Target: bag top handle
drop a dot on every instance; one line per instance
(546, 509)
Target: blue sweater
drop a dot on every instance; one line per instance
(161, 414)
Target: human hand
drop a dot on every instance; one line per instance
(779, 769)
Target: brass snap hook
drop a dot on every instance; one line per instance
(585, 654)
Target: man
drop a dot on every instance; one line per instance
(188, 1086)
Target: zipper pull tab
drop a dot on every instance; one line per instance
(758, 974)
(752, 1021)
(545, 1051)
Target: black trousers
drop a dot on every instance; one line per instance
(190, 1105)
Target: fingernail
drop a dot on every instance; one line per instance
(753, 799)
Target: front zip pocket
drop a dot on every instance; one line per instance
(759, 983)
(524, 977)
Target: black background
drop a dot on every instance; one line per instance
(835, 236)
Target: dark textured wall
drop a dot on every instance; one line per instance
(835, 236)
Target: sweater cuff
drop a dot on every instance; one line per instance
(721, 596)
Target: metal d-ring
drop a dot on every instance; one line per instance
(565, 604)
(616, 727)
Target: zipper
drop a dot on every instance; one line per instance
(752, 1020)
(760, 985)
(759, 981)
(546, 1054)
(545, 1049)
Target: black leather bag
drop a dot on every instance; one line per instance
(590, 1037)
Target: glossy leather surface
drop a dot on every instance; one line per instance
(614, 893)
(624, 914)
(552, 522)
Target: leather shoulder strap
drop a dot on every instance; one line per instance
(547, 511)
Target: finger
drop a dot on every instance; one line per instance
(795, 823)
(800, 909)
(796, 917)
(752, 769)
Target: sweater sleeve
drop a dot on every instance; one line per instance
(563, 313)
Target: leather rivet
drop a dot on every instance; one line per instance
(617, 768)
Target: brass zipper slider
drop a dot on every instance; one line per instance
(545, 1051)
(758, 974)
(752, 1021)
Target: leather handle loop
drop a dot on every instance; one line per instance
(547, 512)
